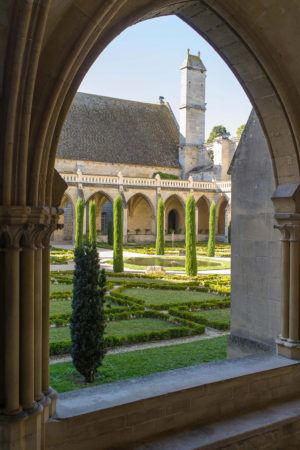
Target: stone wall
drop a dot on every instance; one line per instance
(255, 311)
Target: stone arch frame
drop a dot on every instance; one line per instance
(231, 34)
(149, 221)
(262, 55)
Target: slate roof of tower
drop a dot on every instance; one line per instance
(193, 62)
(106, 129)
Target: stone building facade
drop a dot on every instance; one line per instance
(110, 146)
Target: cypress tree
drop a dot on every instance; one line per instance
(229, 232)
(160, 234)
(87, 322)
(79, 222)
(110, 233)
(92, 223)
(118, 234)
(212, 230)
(190, 237)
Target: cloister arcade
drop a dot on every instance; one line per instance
(46, 49)
(139, 214)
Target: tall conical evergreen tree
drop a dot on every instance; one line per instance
(79, 222)
(212, 230)
(118, 235)
(160, 233)
(190, 237)
(87, 322)
(92, 223)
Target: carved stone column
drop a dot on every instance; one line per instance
(286, 200)
(26, 401)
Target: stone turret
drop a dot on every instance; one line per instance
(192, 154)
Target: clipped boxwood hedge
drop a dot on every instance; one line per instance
(219, 325)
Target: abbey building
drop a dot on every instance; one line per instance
(110, 146)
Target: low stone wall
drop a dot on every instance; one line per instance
(117, 415)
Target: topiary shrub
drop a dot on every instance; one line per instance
(110, 233)
(79, 222)
(190, 237)
(87, 320)
(160, 235)
(212, 230)
(118, 235)
(92, 223)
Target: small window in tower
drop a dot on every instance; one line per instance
(190, 84)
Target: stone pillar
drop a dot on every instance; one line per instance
(154, 224)
(288, 343)
(228, 206)
(27, 320)
(26, 401)
(125, 221)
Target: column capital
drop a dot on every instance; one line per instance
(285, 234)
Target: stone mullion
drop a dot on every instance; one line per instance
(12, 329)
(294, 284)
(46, 309)
(285, 280)
(38, 319)
(27, 326)
(2, 269)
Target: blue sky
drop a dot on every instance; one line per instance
(143, 63)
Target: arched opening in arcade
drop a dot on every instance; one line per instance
(174, 215)
(104, 213)
(140, 216)
(221, 214)
(203, 216)
(67, 219)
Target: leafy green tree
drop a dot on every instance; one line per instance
(240, 130)
(118, 235)
(87, 322)
(212, 230)
(190, 237)
(79, 222)
(92, 223)
(160, 234)
(218, 131)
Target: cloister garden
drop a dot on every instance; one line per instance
(153, 321)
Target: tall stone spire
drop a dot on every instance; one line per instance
(192, 113)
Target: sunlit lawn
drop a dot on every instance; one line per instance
(117, 328)
(121, 366)
(158, 296)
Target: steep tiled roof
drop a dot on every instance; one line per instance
(106, 129)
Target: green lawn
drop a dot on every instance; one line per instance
(117, 328)
(60, 287)
(60, 306)
(158, 296)
(215, 314)
(121, 366)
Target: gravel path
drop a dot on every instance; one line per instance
(209, 334)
